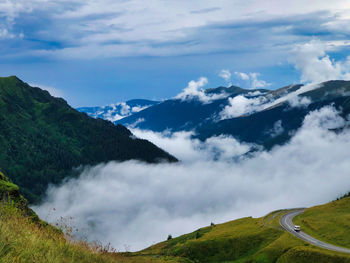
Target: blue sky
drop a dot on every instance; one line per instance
(100, 52)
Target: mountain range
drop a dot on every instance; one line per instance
(259, 116)
(45, 141)
(42, 139)
(117, 111)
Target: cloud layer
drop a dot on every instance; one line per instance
(256, 101)
(90, 29)
(138, 204)
(316, 65)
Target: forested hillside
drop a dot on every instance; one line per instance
(42, 138)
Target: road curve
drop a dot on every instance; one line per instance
(287, 223)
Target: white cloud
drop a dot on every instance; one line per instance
(190, 150)
(133, 125)
(139, 108)
(298, 101)
(90, 29)
(242, 75)
(277, 129)
(246, 104)
(194, 90)
(252, 79)
(4, 33)
(138, 204)
(117, 111)
(53, 91)
(225, 74)
(125, 109)
(257, 83)
(113, 114)
(316, 65)
(327, 118)
(241, 105)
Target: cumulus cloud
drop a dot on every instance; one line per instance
(257, 83)
(225, 74)
(194, 90)
(241, 105)
(139, 204)
(298, 101)
(252, 79)
(316, 65)
(242, 75)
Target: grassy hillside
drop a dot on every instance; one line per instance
(42, 138)
(22, 240)
(259, 240)
(25, 238)
(329, 222)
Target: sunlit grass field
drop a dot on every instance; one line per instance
(260, 240)
(22, 240)
(329, 222)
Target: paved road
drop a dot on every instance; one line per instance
(287, 223)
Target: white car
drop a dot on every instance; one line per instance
(296, 228)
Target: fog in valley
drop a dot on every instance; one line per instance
(134, 205)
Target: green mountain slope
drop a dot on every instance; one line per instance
(42, 138)
(329, 223)
(24, 238)
(262, 240)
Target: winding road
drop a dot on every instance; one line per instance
(287, 223)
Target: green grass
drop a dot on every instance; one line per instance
(25, 238)
(22, 240)
(312, 255)
(236, 241)
(246, 240)
(329, 222)
(8, 186)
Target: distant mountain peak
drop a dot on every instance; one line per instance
(233, 90)
(221, 89)
(117, 111)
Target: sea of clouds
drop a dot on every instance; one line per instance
(134, 205)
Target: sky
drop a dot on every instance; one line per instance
(100, 52)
